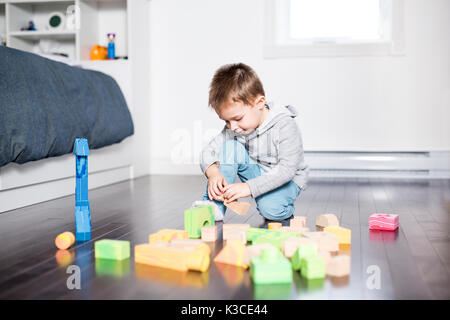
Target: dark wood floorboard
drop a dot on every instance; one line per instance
(414, 261)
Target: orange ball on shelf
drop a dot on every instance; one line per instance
(65, 240)
(99, 53)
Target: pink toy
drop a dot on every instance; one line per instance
(382, 221)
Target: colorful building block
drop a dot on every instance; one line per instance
(209, 233)
(338, 266)
(383, 221)
(326, 241)
(327, 220)
(112, 249)
(291, 244)
(303, 250)
(82, 208)
(274, 226)
(344, 235)
(196, 218)
(298, 221)
(255, 250)
(167, 235)
(313, 267)
(240, 235)
(240, 208)
(65, 240)
(275, 238)
(299, 230)
(270, 267)
(166, 255)
(233, 253)
(229, 228)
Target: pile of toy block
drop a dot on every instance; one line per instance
(271, 254)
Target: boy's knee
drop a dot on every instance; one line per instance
(274, 210)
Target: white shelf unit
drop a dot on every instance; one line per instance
(96, 19)
(2, 20)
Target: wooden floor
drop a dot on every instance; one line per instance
(414, 261)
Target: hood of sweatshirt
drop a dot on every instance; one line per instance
(276, 113)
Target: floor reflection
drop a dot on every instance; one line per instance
(64, 257)
(114, 268)
(234, 276)
(383, 236)
(172, 277)
(272, 291)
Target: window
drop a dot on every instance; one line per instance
(333, 27)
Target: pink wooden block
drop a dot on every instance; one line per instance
(383, 221)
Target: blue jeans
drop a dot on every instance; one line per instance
(277, 204)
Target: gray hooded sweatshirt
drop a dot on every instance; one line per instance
(276, 145)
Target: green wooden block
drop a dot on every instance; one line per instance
(275, 238)
(196, 218)
(303, 251)
(313, 267)
(270, 267)
(112, 249)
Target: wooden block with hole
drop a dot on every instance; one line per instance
(291, 245)
(209, 233)
(165, 255)
(325, 241)
(240, 235)
(298, 221)
(338, 266)
(327, 220)
(228, 228)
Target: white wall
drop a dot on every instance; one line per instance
(382, 103)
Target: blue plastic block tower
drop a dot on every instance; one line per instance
(82, 209)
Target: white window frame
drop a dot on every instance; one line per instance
(276, 15)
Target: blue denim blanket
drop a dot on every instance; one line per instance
(45, 105)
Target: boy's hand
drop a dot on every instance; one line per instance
(236, 190)
(216, 186)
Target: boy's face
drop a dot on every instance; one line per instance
(243, 118)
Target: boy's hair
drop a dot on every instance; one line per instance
(235, 82)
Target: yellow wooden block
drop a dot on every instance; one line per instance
(166, 235)
(344, 235)
(173, 257)
(274, 226)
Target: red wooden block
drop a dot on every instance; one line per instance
(383, 221)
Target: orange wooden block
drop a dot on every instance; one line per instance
(298, 221)
(338, 266)
(65, 240)
(209, 233)
(233, 253)
(166, 235)
(326, 220)
(325, 241)
(230, 227)
(291, 244)
(173, 257)
(240, 208)
(274, 226)
(189, 244)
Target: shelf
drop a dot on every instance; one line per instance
(36, 35)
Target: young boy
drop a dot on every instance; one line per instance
(260, 143)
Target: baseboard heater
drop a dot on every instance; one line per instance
(425, 165)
